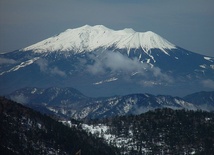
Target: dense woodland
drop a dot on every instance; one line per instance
(25, 132)
(164, 131)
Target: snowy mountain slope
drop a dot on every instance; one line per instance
(69, 102)
(102, 62)
(90, 38)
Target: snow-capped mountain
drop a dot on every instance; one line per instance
(89, 38)
(69, 102)
(99, 61)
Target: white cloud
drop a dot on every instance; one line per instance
(116, 62)
(57, 71)
(43, 64)
(208, 83)
(149, 83)
(20, 99)
(137, 110)
(7, 61)
(44, 67)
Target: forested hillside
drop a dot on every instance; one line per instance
(164, 131)
(25, 132)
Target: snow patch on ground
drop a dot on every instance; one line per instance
(208, 59)
(101, 131)
(202, 66)
(21, 65)
(105, 81)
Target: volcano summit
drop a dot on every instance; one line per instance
(100, 61)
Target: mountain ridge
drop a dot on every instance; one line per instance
(89, 38)
(66, 103)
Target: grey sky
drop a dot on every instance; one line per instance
(186, 23)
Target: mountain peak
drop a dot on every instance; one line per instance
(129, 30)
(89, 38)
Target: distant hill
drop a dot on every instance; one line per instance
(204, 100)
(70, 103)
